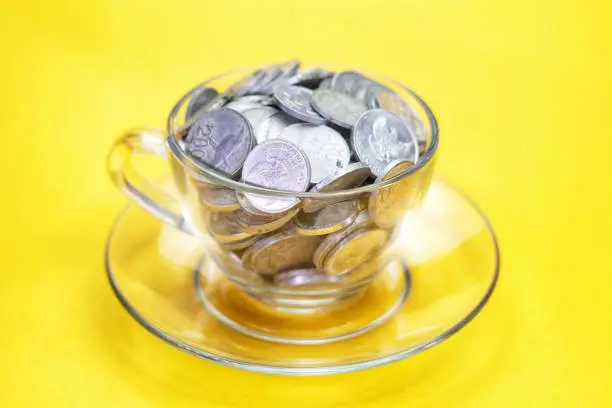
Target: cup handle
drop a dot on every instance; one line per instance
(149, 142)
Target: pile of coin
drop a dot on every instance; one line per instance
(297, 130)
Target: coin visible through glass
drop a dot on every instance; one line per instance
(281, 252)
(327, 220)
(354, 250)
(288, 130)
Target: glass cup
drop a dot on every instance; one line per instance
(308, 289)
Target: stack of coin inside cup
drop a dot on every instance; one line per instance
(298, 130)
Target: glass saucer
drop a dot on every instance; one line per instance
(448, 247)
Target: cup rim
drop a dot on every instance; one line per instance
(197, 169)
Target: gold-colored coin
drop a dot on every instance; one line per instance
(354, 250)
(218, 199)
(280, 252)
(246, 258)
(246, 255)
(361, 221)
(224, 228)
(363, 273)
(242, 244)
(327, 220)
(326, 247)
(235, 269)
(389, 204)
(254, 224)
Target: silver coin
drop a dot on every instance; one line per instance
(389, 100)
(256, 116)
(380, 137)
(373, 93)
(326, 83)
(222, 139)
(360, 86)
(202, 97)
(344, 82)
(217, 102)
(288, 70)
(277, 74)
(247, 84)
(242, 106)
(271, 74)
(304, 277)
(280, 252)
(354, 175)
(310, 78)
(328, 220)
(361, 89)
(273, 126)
(256, 99)
(280, 165)
(342, 110)
(367, 89)
(295, 101)
(273, 204)
(327, 151)
(246, 205)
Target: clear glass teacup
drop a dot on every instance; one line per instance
(263, 273)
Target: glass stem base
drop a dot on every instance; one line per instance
(303, 321)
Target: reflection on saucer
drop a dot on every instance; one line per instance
(178, 247)
(442, 222)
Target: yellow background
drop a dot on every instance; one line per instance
(522, 93)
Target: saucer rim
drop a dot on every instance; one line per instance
(309, 370)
